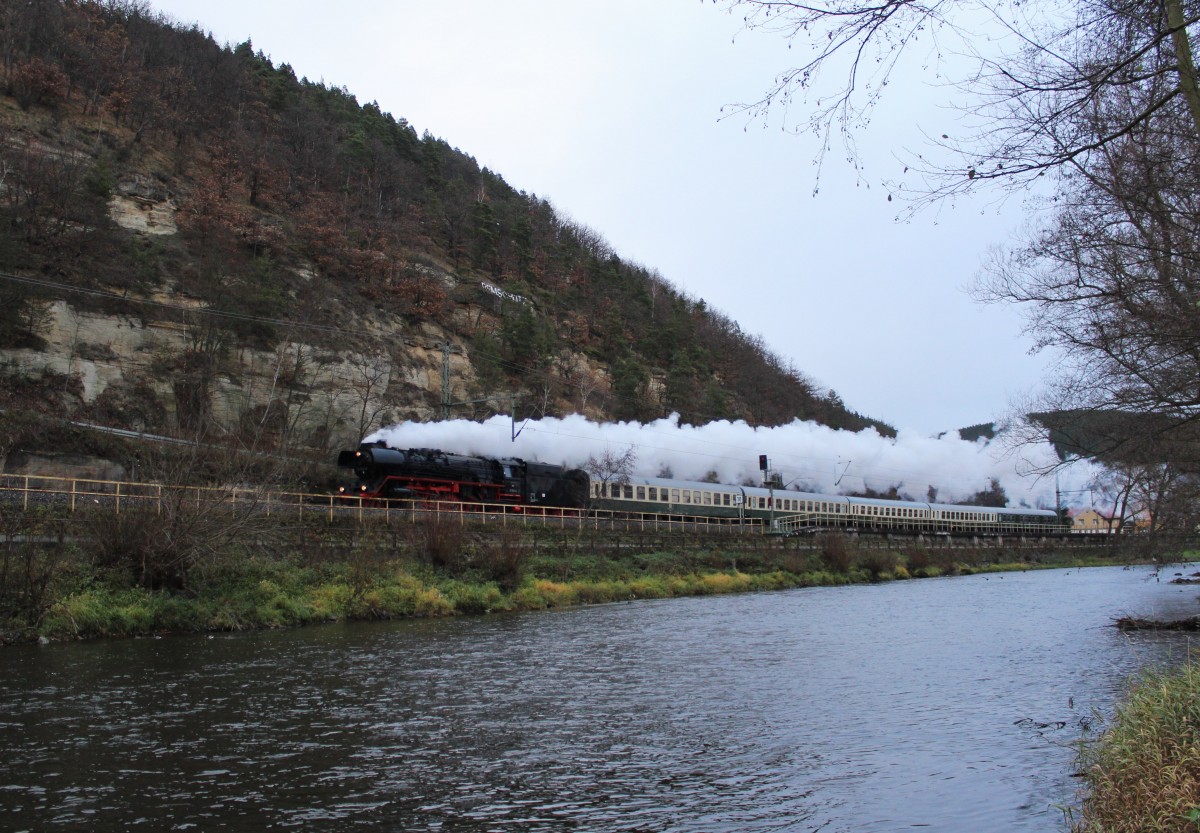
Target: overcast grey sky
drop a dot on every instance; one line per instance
(611, 109)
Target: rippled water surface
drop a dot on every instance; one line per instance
(936, 705)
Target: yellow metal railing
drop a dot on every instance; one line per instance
(75, 494)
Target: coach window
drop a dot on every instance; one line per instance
(629, 493)
(641, 492)
(708, 498)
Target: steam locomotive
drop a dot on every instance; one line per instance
(424, 474)
(430, 474)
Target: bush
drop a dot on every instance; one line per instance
(836, 553)
(441, 542)
(473, 598)
(31, 574)
(878, 564)
(917, 557)
(503, 561)
(722, 583)
(945, 562)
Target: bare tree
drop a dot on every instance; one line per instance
(1112, 283)
(1102, 94)
(1153, 504)
(174, 526)
(372, 375)
(1029, 72)
(611, 466)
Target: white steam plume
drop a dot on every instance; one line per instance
(808, 456)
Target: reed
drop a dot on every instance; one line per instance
(1143, 773)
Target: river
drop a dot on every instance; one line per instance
(932, 705)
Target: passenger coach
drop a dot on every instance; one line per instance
(811, 512)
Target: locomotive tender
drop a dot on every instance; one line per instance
(387, 474)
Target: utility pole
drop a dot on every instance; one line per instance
(448, 402)
(516, 432)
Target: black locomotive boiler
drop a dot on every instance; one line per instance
(384, 473)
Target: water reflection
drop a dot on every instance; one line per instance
(940, 704)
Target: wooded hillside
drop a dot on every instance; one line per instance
(312, 255)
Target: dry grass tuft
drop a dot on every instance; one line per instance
(1143, 773)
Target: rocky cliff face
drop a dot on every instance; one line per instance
(140, 372)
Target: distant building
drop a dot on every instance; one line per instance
(1096, 522)
(1089, 520)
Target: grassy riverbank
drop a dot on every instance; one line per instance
(1143, 773)
(63, 592)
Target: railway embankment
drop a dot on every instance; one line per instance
(148, 573)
